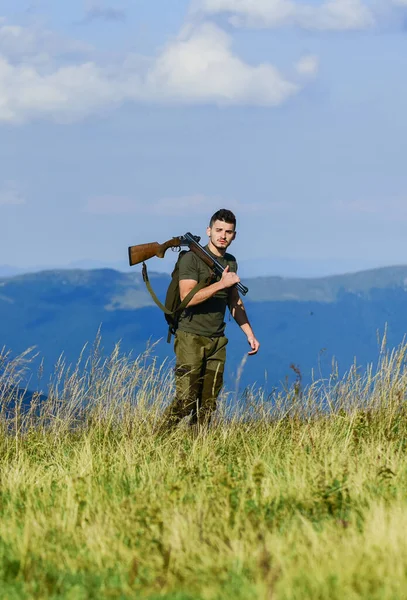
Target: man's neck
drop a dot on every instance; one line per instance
(216, 251)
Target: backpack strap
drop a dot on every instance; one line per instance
(184, 302)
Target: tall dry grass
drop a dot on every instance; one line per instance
(297, 495)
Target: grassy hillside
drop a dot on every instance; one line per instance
(298, 496)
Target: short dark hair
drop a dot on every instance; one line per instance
(223, 215)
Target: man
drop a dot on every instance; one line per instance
(200, 343)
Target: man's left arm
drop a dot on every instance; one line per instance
(239, 314)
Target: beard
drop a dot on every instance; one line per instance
(219, 246)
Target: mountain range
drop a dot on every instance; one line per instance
(300, 322)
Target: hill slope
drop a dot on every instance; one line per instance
(300, 321)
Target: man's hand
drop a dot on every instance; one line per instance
(229, 279)
(255, 344)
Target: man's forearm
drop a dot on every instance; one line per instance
(240, 316)
(247, 329)
(205, 293)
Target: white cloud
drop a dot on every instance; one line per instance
(105, 14)
(67, 93)
(121, 205)
(196, 67)
(197, 204)
(194, 204)
(391, 209)
(99, 11)
(35, 45)
(334, 15)
(307, 66)
(10, 194)
(113, 205)
(200, 67)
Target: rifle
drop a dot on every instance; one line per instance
(143, 252)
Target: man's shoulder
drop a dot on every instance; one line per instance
(188, 258)
(188, 266)
(229, 257)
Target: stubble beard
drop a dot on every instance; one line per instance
(221, 248)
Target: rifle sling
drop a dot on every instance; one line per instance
(184, 302)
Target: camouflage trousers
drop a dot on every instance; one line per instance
(200, 364)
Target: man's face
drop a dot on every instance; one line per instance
(221, 234)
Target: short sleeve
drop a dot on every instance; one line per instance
(232, 262)
(188, 268)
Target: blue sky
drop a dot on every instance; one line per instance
(128, 122)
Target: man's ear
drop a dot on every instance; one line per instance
(234, 235)
(208, 231)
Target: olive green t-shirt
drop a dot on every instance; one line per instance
(206, 318)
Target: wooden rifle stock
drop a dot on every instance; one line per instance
(142, 252)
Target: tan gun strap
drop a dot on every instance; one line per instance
(183, 303)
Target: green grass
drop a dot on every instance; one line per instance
(300, 496)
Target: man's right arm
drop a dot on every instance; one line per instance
(186, 285)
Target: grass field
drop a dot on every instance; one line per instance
(302, 495)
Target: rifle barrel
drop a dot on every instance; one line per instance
(216, 264)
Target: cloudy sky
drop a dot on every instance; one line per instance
(130, 121)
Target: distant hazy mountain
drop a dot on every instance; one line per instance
(11, 271)
(248, 268)
(7, 271)
(298, 321)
